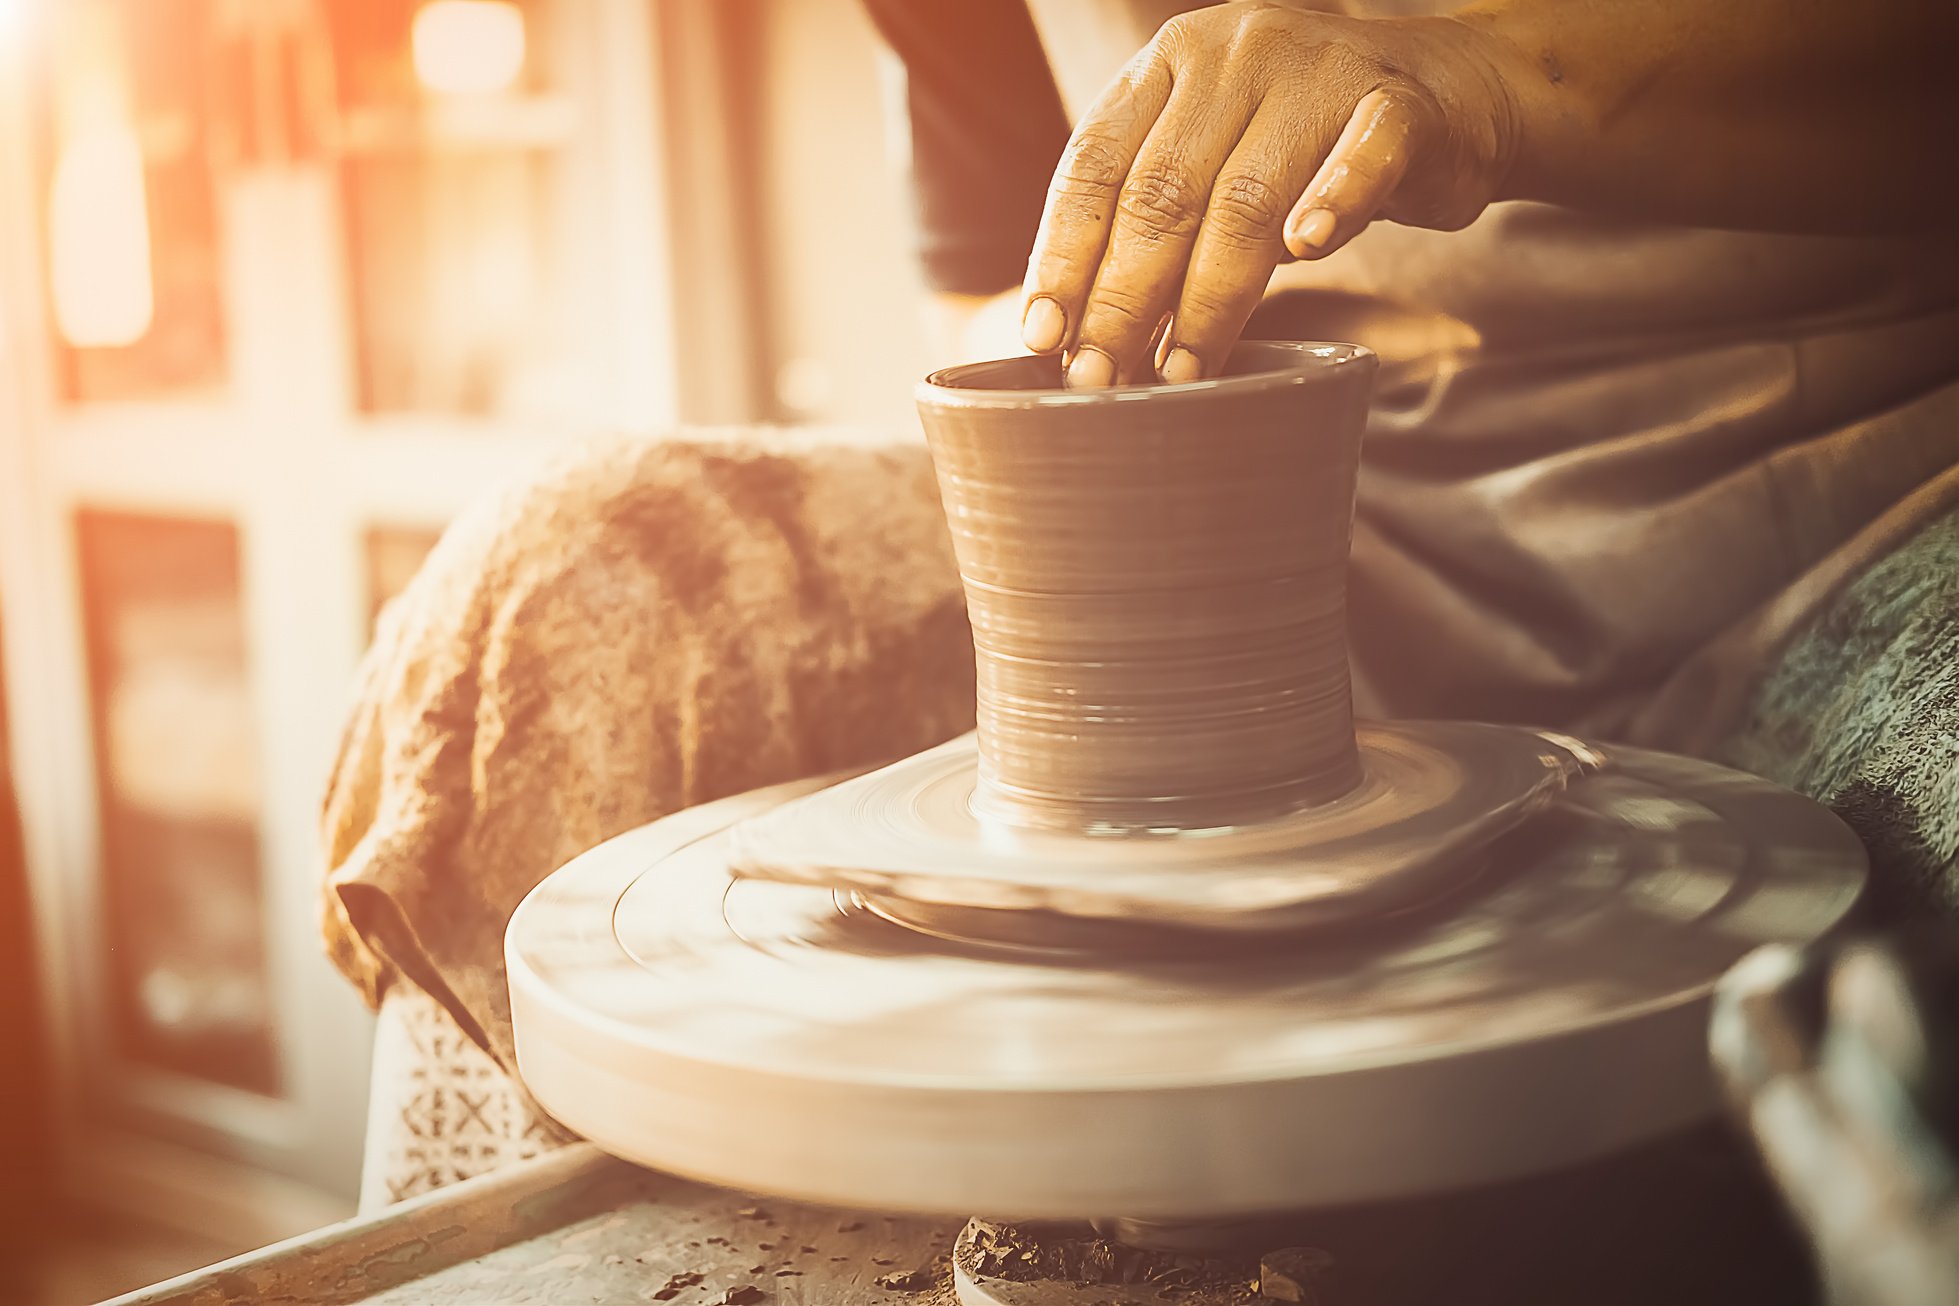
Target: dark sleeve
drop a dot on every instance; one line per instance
(987, 129)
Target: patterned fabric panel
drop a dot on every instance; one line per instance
(440, 1110)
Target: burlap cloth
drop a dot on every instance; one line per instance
(643, 626)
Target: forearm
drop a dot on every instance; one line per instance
(1802, 116)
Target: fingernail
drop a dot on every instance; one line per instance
(1315, 229)
(1091, 369)
(1182, 366)
(1043, 325)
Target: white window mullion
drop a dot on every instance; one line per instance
(301, 579)
(633, 172)
(171, 459)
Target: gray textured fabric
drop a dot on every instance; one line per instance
(1862, 712)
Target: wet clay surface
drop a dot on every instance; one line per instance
(1156, 578)
(1433, 795)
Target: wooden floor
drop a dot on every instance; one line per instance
(82, 1256)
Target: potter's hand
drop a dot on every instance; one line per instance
(1239, 135)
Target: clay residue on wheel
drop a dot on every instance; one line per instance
(1076, 1255)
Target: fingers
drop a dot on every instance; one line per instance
(1358, 176)
(1236, 249)
(1180, 192)
(1081, 203)
(1247, 230)
(1158, 214)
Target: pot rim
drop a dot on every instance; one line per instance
(1294, 362)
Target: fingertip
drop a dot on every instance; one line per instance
(1090, 369)
(1043, 326)
(1181, 366)
(1308, 237)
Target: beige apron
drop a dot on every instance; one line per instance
(1599, 502)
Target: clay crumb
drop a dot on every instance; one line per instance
(674, 1285)
(923, 1279)
(746, 1295)
(1294, 1274)
(755, 1213)
(808, 1250)
(850, 1226)
(992, 1250)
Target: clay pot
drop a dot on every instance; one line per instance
(1156, 577)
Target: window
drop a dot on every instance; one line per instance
(286, 285)
(183, 911)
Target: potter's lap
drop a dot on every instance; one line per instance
(718, 609)
(636, 627)
(692, 514)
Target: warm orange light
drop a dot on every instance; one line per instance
(468, 47)
(99, 240)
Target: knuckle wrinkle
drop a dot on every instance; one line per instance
(1164, 200)
(1093, 163)
(1248, 206)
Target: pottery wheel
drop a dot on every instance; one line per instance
(1172, 936)
(779, 1037)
